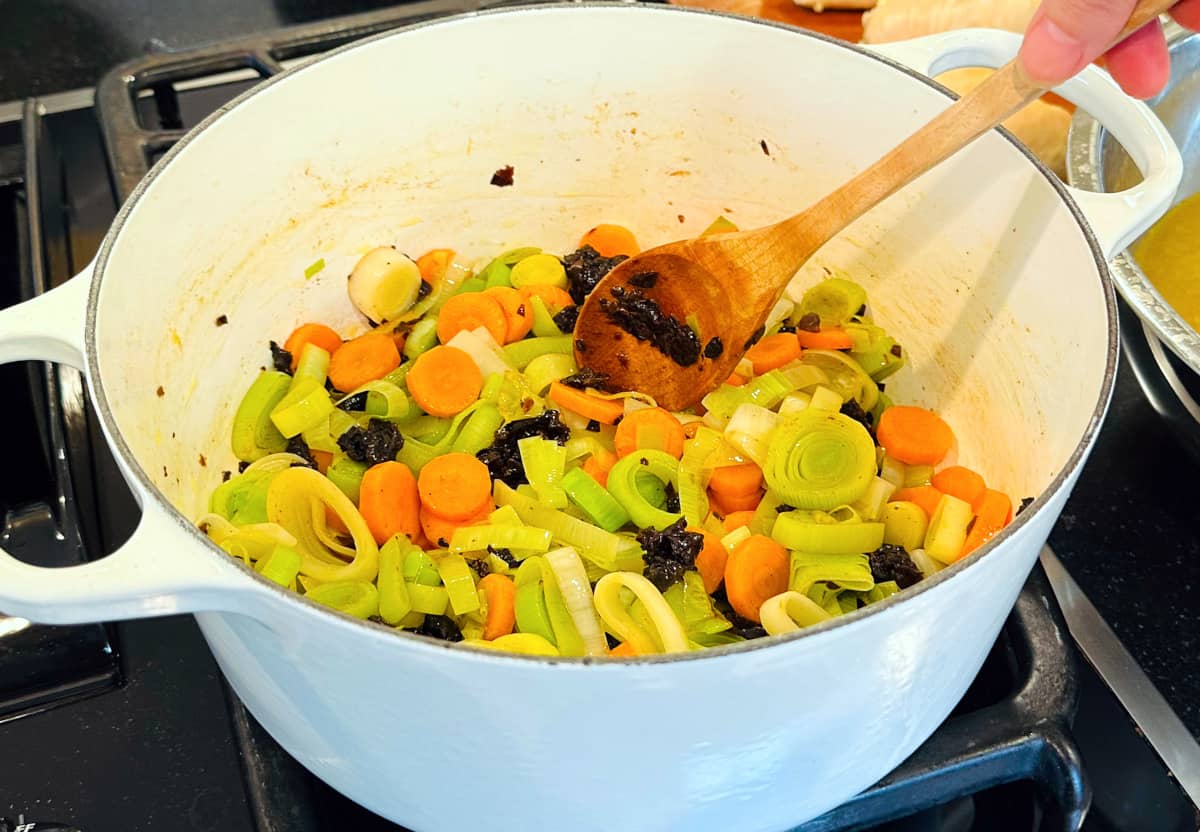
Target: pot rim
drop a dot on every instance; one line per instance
(1020, 521)
(1085, 170)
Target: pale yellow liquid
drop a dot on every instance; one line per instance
(1169, 254)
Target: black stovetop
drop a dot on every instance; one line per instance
(133, 729)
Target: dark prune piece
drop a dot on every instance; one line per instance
(809, 322)
(854, 410)
(714, 348)
(503, 178)
(440, 627)
(296, 445)
(566, 318)
(585, 268)
(379, 442)
(503, 458)
(281, 359)
(644, 280)
(892, 563)
(642, 318)
(585, 378)
(669, 553)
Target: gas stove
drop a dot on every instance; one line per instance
(129, 726)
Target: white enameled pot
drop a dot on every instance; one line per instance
(652, 117)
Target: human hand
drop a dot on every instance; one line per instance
(1066, 35)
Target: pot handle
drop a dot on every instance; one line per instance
(157, 571)
(1117, 219)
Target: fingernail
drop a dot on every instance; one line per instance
(1050, 53)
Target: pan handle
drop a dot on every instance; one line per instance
(160, 570)
(1117, 219)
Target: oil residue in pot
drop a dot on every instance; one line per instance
(1169, 254)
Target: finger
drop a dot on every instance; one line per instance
(1187, 14)
(1140, 63)
(1066, 35)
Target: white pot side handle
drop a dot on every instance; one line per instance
(157, 571)
(1117, 219)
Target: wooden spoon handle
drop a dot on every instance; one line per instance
(999, 96)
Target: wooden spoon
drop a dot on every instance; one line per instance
(726, 284)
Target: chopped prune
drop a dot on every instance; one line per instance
(1026, 502)
(892, 563)
(226, 475)
(592, 426)
(281, 359)
(897, 351)
(296, 445)
(356, 402)
(481, 566)
(809, 322)
(566, 318)
(854, 410)
(763, 144)
(669, 553)
(503, 458)
(787, 328)
(222, 320)
(585, 268)
(378, 442)
(503, 178)
(642, 318)
(672, 501)
(242, 466)
(714, 348)
(505, 556)
(862, 310)
(644, 280)
(424, 289)
(783, 508)
(440, 627)
(585, 378)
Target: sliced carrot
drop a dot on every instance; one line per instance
(710, 563)
(833, 338)
(962, 483)
(439, 531)
(735, 380)
(914, 435)
(633, 429)
(388, 501)
(605, 411)
(737, 480)
(323, 459)
(516, 311)
(993, 514)
(433, 263)
(926, 496)
(757, 569)
(623, 650)
(470, 311)
(362, 359)
(556, 299)
(500, 593)
(736, 519)
(726, 505)
(599, 464)
(611, 240)
(773, 351)
(455, 486)
(444, 380)
(317, 334)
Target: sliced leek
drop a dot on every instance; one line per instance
(357, 598)
(577, 596)
(821, 534)
(819, 460)
(790, 611)
(394, 600)
(848, 571)
(666, 635)
(297, 501)
(904, 524)
(622, 484)
(947, 530)
(254, 435)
